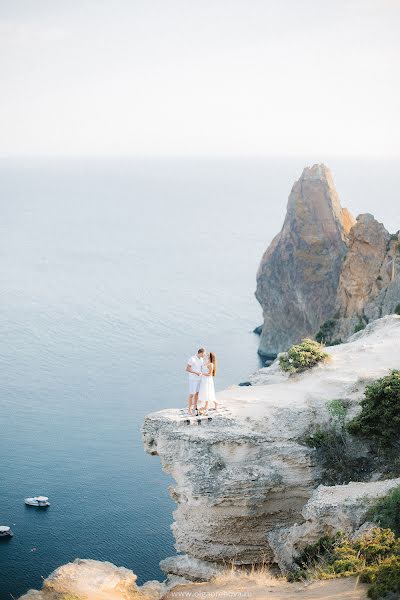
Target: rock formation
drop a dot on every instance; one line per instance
(246, 485)
(249, 472)
(369, 284)
(329, 510)
(95, 580)
(323, 267)
(299, 273)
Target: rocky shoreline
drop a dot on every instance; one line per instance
(246, 485)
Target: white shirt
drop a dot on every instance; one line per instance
(196, 364)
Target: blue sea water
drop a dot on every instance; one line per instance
(111, 275)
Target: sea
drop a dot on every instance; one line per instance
(112, 273)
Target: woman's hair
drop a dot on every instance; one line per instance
(213, 360)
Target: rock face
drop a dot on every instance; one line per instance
(329, 510)
(94, 580)
(299, 273)
(369, 284)
(248, 472)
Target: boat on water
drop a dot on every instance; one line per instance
(5, 531)
(39, 501)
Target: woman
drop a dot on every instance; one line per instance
(207, 390)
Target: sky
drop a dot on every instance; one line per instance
(199, 78)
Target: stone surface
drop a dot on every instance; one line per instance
(299, 273)
(190, 568)
(325, 266)
(248, 472)
(329, 510)
(367, 269)
(94, 580)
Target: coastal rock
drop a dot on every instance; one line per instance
(299, 273)
(191, 569)
(324, 268)
(248, 471)
(329, 510)
(366, 271)
(94, 580)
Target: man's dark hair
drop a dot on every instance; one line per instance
(201, 351)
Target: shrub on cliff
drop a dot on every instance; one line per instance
(375, 556)
(384, 579)
(303, 356)
(326, 332)
(379, 419)
(386, 511)
(338, 465)
(397, 310)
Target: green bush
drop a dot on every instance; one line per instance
(386, 511)
(384, 579)
(379, 419)
(397, 310)
(303, 356)
(338, 466)
(375, 556)
(325, 333)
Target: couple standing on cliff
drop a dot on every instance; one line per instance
(202, 369)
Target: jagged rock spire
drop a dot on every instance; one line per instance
(299, 273)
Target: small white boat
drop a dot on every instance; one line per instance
(5, 531)
(40, 501)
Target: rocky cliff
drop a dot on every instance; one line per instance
(369, 284)
(325, 267)
(299, 273)
(249, 472)
(245, 484)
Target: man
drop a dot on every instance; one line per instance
(194, 367)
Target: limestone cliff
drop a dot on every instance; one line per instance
(245, 484)
(248, 472)
(330, 510)
(299, 273)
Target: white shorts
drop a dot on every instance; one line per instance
(194, 385)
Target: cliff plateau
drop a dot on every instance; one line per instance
(248, 473)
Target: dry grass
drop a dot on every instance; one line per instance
(259, 575)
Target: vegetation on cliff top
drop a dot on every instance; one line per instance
(332, 445)
(378, 424)
(386, 512)
(326, 332)
(374, 556)
(303, 356)
(379, 419)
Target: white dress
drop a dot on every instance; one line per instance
(207, 390)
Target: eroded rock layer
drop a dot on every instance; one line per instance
(330, 510)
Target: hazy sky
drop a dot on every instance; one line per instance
(200, 77)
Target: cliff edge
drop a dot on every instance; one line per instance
(249, 472)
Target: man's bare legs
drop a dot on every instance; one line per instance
(193, 399)
(196, 398)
